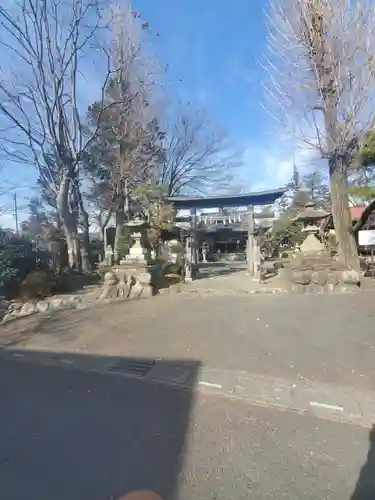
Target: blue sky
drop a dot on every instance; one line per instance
(212, 49)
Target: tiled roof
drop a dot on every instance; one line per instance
(356, 212)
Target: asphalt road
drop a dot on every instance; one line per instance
(322, 338)
(72, 435)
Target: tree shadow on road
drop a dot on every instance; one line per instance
(212, 270)
(365, 487)
(84, 427)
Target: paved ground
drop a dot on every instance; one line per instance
(69, 433)
(318, 338)
(233, 277)
(73, 435)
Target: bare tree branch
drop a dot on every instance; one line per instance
(46, 46)
(304, 69)
(124, 151)
(197, 156)
(321, 86)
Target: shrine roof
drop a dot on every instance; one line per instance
(227, 200)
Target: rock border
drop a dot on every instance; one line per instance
(114, 289)
(303, 280)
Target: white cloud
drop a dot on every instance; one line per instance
(267, 168)
(7, 221)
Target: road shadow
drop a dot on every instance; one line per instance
(84, 427)
(211, 270)
(365, 487)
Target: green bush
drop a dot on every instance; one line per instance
(38, 284)
(17, 259)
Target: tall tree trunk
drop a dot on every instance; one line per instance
(103, 222)
(120, 220)
(68, 221)
(77, 252)
(85, 242)
(348, 253)
(70, 243)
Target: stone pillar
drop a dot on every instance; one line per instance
(188, 259)
(105, 238)
(256, 261)
(250, 240)
(204, 252)
(194, 246)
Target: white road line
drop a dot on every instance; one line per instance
(209, 384)
(327, 407)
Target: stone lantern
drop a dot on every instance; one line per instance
(310, 217)
(139, 252)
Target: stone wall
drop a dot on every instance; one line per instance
(118, 284)
(320, 279)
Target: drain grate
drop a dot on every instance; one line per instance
(137, 367)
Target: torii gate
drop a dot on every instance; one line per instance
(250, 200)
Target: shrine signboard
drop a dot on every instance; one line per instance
(366, 238)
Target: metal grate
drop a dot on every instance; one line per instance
(137, 367)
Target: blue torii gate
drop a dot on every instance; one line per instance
(260, 198)
(227, 200)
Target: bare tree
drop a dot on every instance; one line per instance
(198, 157)
(128, 145)
(47, 46)
(322, 81)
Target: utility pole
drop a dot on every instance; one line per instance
(16, 211)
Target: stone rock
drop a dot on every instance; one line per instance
(136, 290)
(300, 278)
(82, 305)
(311, 244)
(71, 301)
(77, 298)
(296, 288)
(42, 306)
(55, 303)
(148, 291)
(27, 309)
(123, 290)
(10, 316)
(319, 277)
(68, 303)
(15, 306)
(110, 278)
(111, 282)
(314, 288)
(350, 276)
(109, 292)
(144, 278)
(347, 288)
(330, 287)
(333, 279)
